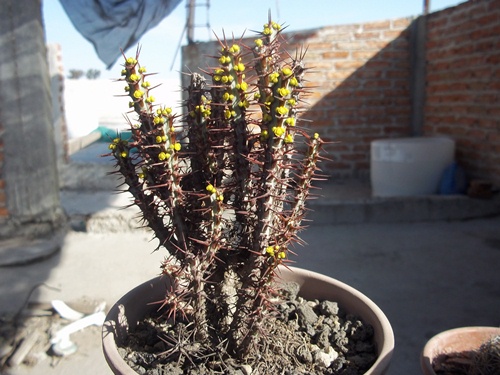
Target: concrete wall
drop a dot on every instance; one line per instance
(29, 196)
(463, 83)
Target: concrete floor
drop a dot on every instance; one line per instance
(426, 277)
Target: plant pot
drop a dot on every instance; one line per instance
(454, 340)
(134, 306)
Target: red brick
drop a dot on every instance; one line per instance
(379, 25)
(335, 54)
(363, 55)
(367, 36)
(393, 34)
(348, 65)
(341, 75)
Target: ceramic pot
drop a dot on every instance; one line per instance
(454, 340)
(134, 306)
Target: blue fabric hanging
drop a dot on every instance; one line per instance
(113, 24)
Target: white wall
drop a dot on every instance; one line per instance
(93, 103)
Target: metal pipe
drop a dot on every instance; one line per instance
(426, 7)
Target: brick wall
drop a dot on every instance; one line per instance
(463, 84)
(360, 74)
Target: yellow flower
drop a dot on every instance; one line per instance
(316, 136)
(146, 84)
(258, 42)
(278, 131)
(177, 146)
(281, 255)
(270, 251)
(158, 139)
(290, 121)
(163, 155)
(267, 30)
(282, 110)
(150, 99)
(134, 77)
(276, 26)
(138, 94)
(130, 61)
(240, 67)
(224, 60)
(142, 69)
(264, 134)
(244, 104)
(234, 48)
(283, 91)
(243, 86)
(211, 189)
(123, 154)
(124, 72)
(286, 71)
(289, 138)
(294, 82)
(166, 111)
(273, 77)
(291, 102)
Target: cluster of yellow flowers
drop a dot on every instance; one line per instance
(119, 147)
(231, 74)
(276, 252)
(213, 191)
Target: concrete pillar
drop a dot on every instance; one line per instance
(28, 169)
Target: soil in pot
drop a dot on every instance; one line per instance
(304, 337)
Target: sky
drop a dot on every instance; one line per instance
(78, 53)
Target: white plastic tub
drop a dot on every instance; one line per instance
(409, 166)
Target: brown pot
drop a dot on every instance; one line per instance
(134, 305)
(454, 340)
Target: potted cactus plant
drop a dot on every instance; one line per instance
(223, 188)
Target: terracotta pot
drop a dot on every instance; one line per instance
(454, 340)
(134, 305)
